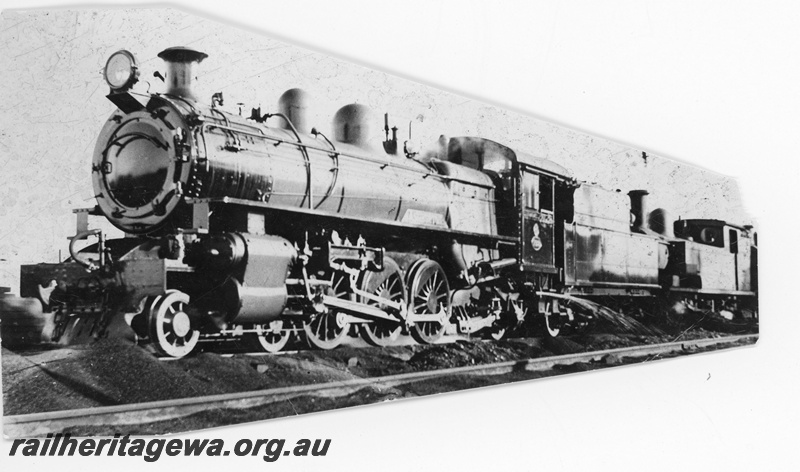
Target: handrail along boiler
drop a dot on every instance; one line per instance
(262, 228)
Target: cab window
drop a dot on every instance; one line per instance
(530, 190)
(712, 236)
(537, 192)
(496, 162)
(545, 193)
(733, 237)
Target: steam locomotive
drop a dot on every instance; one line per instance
(260, 228)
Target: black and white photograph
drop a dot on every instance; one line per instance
(511, 234)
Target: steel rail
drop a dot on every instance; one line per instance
(39, 424)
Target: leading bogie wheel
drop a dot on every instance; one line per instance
(171, 330)
(386, 284)
(328, 329)
(273, 336)
(429, 295)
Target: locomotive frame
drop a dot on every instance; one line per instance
(242, 229)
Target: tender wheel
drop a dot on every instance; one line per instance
(508, 322)
(429, 295)
(328, 329)
(385, 284)
(497, 332)
(552, 321)
(171, 329)
(552, 324)
(274, 336)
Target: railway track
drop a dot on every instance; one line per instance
(118, 416)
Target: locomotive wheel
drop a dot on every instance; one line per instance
(386, 284)
(170, 326)
(552, 325)
(140, 322)
(327, 330)
(430, 294)
(497, 332)
(552, 321)
(274, 336)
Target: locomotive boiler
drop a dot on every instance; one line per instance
(264, 228)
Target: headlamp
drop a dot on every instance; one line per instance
(121, 71)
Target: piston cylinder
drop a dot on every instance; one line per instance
(259, 295)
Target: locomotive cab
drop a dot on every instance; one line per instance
(713, 255)
(537, 218)
(531, 194)
(496, 161)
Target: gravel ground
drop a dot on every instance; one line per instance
(114, 371)
(367, 395)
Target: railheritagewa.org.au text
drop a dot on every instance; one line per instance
(151, 450)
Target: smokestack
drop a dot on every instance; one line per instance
(639, 210)
(180, 64)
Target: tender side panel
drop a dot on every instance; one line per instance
(600, 250)
(602, 257)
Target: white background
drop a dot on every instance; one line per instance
(711, 83)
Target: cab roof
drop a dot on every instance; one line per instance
(487, 155)
(711, 222)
